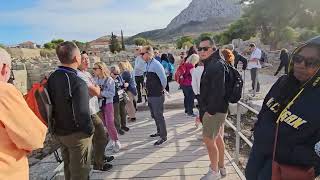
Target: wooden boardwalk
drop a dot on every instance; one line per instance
(183, 156)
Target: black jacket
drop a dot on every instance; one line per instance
(58, 89)
(299, 128)
(238, 57)
(212, 87)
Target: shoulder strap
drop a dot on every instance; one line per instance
(70, 95)
(278, 122)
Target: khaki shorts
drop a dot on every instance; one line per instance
(211, 124)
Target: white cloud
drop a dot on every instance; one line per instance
(87, 20)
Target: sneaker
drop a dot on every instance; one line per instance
(125, 129)
(120, 131)
(110, 145)
(117, 146)
(133, 120)
(108, 158)
(211, 175)
(223, 171)
(155, 135)
(192, 115)
(106, 167)
(160, 141)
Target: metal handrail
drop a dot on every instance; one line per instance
(237, 129)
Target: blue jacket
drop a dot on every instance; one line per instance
(128, 78)
(107, 87)
(168, 67)
(156, 79)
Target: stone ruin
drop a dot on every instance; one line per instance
(31, 70)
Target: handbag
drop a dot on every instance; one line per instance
(125, 97)
(289, 172)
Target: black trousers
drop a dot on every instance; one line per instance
(139, 82)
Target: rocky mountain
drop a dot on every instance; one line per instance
(200, 16)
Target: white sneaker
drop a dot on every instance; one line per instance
(110, 145)
(211, 175)
(117, 146)
(223, 171)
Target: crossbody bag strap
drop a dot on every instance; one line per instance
(278, 122)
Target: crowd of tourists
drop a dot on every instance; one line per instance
(91, 110)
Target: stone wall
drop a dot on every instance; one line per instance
(24, 53)
(31, 70)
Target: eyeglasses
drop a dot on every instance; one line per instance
(115, 74)
(308, 62)
(142, 54)
(95, 68)
(203, 48)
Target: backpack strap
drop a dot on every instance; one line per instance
(70, 95)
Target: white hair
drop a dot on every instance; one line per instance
(5, 57)
(193, 59)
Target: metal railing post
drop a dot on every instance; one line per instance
(237, 134)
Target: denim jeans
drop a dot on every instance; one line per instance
(259, 166)
(188, 99)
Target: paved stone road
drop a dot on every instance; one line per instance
(182, 157)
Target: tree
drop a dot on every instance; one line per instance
(81, 45)
(122, 41)
(187, 45)
(183, 40)
(57, 41)
(288, 34)
(114, 44)
(49, 45)
(273, 16)
(140, 41)
(53, 44)
(307, 34)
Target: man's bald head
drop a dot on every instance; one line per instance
(4, 57)
(5, 65)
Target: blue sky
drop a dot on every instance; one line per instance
(43, 20)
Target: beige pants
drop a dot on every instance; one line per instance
(76, 154)
(131, 111)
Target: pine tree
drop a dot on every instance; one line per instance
(114, 44)
(122, 42)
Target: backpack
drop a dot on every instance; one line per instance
(233, 84)
(178, 76)
(39, 101)
(264, 57)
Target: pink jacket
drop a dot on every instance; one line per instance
(187, 78)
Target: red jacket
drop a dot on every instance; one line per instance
(187, 78)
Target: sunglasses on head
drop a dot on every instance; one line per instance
(95, 68)
(308, 62)
(203, 48)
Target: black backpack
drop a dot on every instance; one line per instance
(264, 57)
(233, 84)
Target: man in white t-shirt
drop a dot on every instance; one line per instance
(254, 65)
(99, 137)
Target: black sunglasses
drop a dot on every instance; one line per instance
(203, 48)
(142, 54)
(309, 62)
